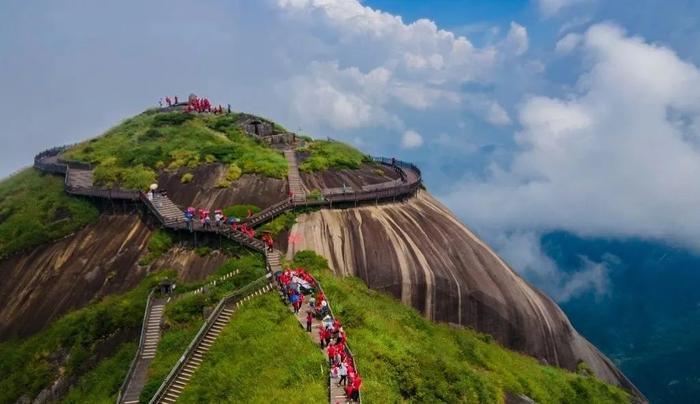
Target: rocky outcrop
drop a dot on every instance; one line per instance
(48, 281)
(419, 252)
(367, 174)
(203, 190)
(188, 264)
(101, 259)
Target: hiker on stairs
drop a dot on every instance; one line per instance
(189, 217)
(309, 320)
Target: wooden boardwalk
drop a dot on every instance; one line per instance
(79, 178)
(336, 393)
(79, 181)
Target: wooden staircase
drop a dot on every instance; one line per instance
(273, 259)
(79, 178)
(296, 187)
(148, 344)
(170, 213)
(193, 357)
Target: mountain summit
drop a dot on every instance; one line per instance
(112, 224)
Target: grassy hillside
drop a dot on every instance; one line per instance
(34, 209)
(69, 346)
(322, 155)
(262, 356)
(184, 317)
(402, 356)
(131, 152)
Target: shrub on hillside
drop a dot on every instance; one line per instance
(186, 178)
(240, 211)
(233, 172)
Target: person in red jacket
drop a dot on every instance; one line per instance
(356, 385)
(309, 321)
(331, 355)
(322, 335)
(167, 101)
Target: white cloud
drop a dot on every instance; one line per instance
(568, 43)
(549, 8)
(411, 139)
(523, 251)
(425, 67)
(616, 158)
(516, 41)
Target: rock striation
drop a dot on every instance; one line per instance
(422, 254)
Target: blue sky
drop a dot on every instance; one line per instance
(527, 116)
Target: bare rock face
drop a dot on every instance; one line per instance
(203, 191)
(353, 179)
(101, 259)
(419, 252)
(189, 266)
(48, 281)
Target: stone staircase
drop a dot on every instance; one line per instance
(296, 187)
(273, 259)
(147, 351)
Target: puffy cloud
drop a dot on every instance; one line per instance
(516, 41)
(333, 67)
(341, 98)
(615, 158)
(524, 252)
(411, 139)
(425, 66)
(568, 43)
(549, 8)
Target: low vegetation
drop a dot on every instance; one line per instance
(159, 243)
(403, 356)
(240, 211)
(324, 155)
(186, 178)
(130, 153)
(184, 317)
(100, 384)
(109, 174)
(262, 356)
(69, 346)
(34, 209)
(281, 223)
(233, 172)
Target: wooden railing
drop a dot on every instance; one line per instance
(395, 189)
(189, 351)
(142, 339)
(347, 347)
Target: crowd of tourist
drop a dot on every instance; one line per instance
(196, 104)
(221, 221)
(298, 283)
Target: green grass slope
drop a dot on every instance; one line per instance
(404, 357)
(184, 317)
(262, 356)
(323, 155)
(69, 346)
(131, 153)
(34, 209)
